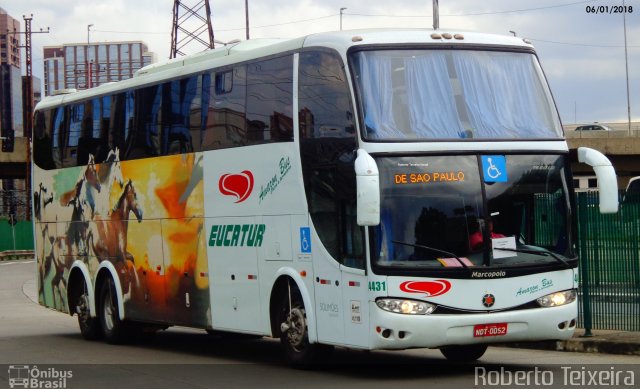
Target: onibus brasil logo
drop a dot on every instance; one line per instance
(25, 376)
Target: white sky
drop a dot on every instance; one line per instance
(582, 53)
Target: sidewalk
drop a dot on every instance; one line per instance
(602, 341)
(11, 255)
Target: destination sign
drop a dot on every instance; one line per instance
(424, 178)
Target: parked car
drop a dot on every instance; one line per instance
(593, 127)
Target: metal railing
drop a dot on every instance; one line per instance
(609, 249)
(16, 229)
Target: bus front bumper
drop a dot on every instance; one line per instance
(398, 331)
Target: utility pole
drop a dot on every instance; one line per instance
(181, 24)
(246, 16)
(626, 63)
(88, 31)
(436, 15)
(28, 100)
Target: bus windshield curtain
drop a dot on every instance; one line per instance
(378, 96)
(498, 95)
(503, 95)
(433, 106)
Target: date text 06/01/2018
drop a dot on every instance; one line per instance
(608, 9)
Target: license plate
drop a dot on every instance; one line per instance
(494, 329)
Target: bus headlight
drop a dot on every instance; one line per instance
(408, 307)
(558, 298)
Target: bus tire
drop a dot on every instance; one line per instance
(89, 326)
(466, 353)
(114, 330)
(294, 333)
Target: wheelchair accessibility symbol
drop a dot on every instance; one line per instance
(305, 240)
(494, 168)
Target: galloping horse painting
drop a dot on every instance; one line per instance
(108, 236)
(145, 217)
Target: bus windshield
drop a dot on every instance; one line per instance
(453, 94)
(433, 215)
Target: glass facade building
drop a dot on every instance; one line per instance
(10, 80)
(83, 66)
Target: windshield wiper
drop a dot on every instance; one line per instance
(539, 251)
(452, 255)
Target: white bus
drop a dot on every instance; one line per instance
(379, 189)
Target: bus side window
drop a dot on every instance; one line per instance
(225, 124)
(328, 143)
(42, 142)
(270, 100)
(59, 132)
(144, 138)
(177, 99)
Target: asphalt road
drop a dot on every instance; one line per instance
(37, 342)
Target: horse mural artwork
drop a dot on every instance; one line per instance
(97, 229)
(81, 199)
(40, 202)
(143, 219)
(108, 236)
(109, 173)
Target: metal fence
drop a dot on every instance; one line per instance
(609, 250)
(16, 229)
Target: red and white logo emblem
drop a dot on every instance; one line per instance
(430, 288)
(239, 185)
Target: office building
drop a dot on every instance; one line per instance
(10, 81)
(83, 66)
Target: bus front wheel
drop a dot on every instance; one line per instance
(465, 353)
(294, 332)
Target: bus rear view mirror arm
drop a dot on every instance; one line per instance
(606, 175)
(367, 190)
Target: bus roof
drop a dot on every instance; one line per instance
(257, 48)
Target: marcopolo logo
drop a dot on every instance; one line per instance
(431, 288)
(237, 235)
(25, 376)
(239, 185)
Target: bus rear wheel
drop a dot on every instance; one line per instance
(114, 330)
(89, 326)
(294, 332)
(467, 353)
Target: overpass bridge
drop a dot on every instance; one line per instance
(621, 146)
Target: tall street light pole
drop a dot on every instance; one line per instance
(246, 15)
(88, 77)
(436, 15)
(28, 101)
(626, 63)
(88, 30)
(341, 9)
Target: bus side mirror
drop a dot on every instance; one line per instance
(367, 190)
(606, 175)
